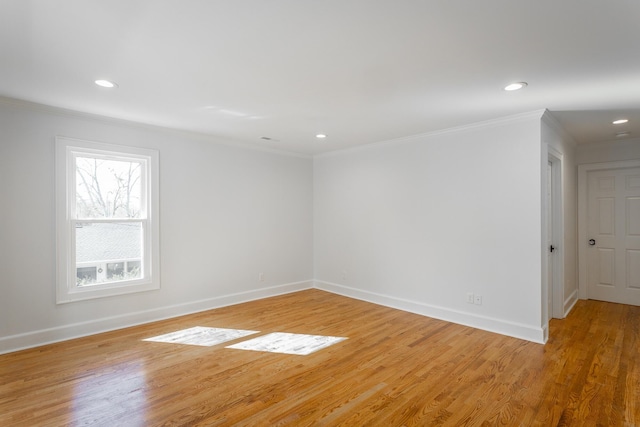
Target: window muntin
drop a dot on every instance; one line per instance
(107, 203)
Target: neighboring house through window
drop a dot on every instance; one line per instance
(107, 252)
(107, 219)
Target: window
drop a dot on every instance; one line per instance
(106, 219)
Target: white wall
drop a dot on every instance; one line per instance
(611, 151)
(413, 224)
(554, 136)
(417, 224)
(226, 214)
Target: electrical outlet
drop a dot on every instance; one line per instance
(344, 274)
(261, 277)
(470, 298)
(478, 300)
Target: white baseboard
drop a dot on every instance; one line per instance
(570, 302)
(512, 329)
(545, 333)
(76, 330)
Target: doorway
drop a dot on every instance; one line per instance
(609, 228)
(554, 304)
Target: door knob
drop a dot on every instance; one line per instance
(592, 242)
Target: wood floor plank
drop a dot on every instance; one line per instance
(395, 369)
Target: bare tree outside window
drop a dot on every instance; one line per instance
(107, 188)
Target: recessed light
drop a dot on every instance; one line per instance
(321, 136)
(106, 83)
(515, 86)
(620, 121)
(622, 134)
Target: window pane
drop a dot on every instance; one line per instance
(115, 270)
(108, 188)
(134, 268)
(107, 247)
(86, 276)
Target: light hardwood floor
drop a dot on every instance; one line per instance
(395, 369)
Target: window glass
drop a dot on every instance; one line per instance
(107, 243)
(86, 275)
(133, 268)
(115, 271)
(108, 188)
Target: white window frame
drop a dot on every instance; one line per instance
(66, 150)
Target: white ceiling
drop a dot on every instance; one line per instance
(360, 71)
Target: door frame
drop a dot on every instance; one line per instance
(556, 223)
(583, 199)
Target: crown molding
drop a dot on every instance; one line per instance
(536, 114)
(60, 111)
(549, 119)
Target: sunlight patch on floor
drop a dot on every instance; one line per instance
(282, 342)
(203, 336)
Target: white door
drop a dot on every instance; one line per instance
(613, 227)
